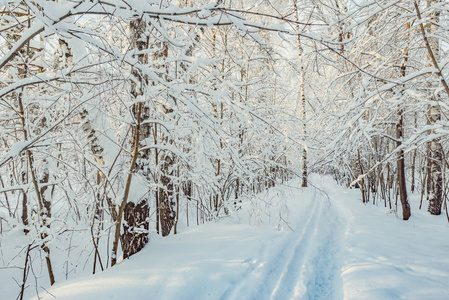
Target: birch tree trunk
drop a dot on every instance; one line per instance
(302, 97)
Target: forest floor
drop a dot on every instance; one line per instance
(318, 242)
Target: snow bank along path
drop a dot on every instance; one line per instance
(331, 247)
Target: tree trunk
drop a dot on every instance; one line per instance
(135, 229)
(136, 215)
(401, 172)
(302, 99)
(435, 192)
(435, 175)
(166, 197)
(400, 135)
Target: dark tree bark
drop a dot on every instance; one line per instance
(135, 227)
(167, 203)
(136, 215)
(24, 202)
(401, 172)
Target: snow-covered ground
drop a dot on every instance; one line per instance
(314, 243)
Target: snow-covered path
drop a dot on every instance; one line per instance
(301, 265)
(327, 245)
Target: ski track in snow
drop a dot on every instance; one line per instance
(304, 266)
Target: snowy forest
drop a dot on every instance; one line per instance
(122, 122)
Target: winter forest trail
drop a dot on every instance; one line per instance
(298, 258)
(304, 264)
(314, 243)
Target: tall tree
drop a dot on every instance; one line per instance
(302, 94)
(435, 151)
(402, 186)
